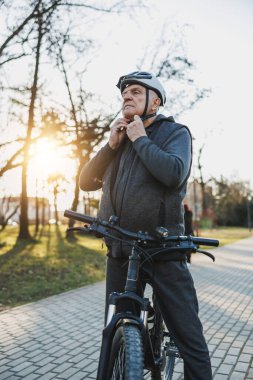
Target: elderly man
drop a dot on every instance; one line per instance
(143, 172)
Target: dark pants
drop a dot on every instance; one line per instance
(174, 289)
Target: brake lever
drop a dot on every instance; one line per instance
(206, 253)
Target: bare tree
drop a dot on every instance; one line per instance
(20, 32)
(233, 202)
(11, 163)
(7, 212)
(44, 24)
(169, 61)
(84, 130)
(201, 181)
(206, 189)
(24, 231)
(56, 181)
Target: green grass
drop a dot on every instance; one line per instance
(226, 235)
(52, 264)
(49, 265)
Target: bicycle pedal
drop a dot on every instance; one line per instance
(172, 351)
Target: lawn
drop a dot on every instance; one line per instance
(49, 265)
(226, 235)
(52, 264)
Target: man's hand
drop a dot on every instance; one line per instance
(118, 132)
(135, 129)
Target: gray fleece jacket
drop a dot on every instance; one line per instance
(149, 179)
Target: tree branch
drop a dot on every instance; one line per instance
(12, 58)
(106, 10)
(11, 142)
(18, 29)
(9, 164)
(32, 15)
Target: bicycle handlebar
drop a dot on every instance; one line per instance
(80, 217)
(140, 236)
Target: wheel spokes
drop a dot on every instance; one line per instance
(119, 365)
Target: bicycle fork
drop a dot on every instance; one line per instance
(130, 290)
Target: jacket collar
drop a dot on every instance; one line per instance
(159, 118)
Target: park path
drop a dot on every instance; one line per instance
(59, 337)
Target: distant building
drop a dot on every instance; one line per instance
(7, 205)
(194, 199)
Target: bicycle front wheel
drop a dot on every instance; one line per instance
(126, 359)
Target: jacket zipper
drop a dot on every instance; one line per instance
(130, 151)
(122, 198)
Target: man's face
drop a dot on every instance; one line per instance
(134, 99)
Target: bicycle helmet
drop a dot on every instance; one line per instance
(147, 80)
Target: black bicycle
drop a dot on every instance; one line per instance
(136, 344)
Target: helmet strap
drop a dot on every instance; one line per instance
(144, 116)
(146, 104)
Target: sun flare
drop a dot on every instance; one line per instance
(46, 158)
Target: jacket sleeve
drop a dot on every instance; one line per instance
(92, 173)
(171, 164)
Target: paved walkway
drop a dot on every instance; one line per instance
(59, 337)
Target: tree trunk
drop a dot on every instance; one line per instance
(55, 205)
(37, 220)
(76, 195)
(43, 212)
(24, 225)
(4, 220)
(202, 183)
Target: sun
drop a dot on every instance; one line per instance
(46, 158)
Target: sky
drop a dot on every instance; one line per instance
(218, 38)
(222, 44)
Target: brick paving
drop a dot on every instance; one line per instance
(59, 337)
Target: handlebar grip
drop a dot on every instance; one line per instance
(77, 216)
(205, 241)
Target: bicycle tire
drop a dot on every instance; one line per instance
(169, 368)
(126, 358)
